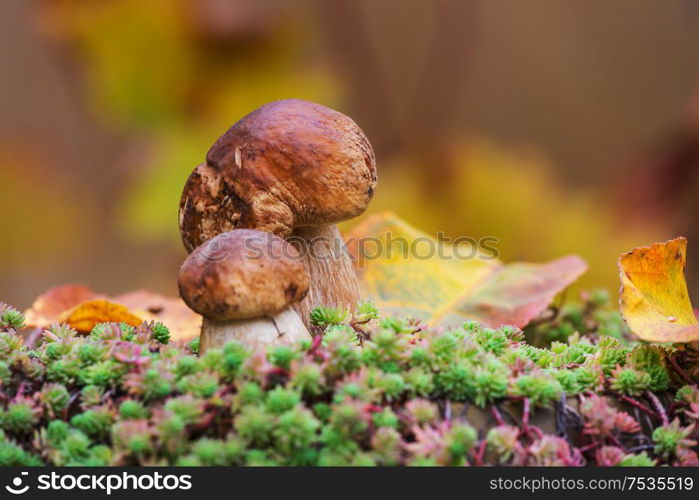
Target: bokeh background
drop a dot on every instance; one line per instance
(558, 126)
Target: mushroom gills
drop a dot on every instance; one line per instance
(284, 328)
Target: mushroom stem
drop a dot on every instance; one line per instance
(283, 328)
(333, 281)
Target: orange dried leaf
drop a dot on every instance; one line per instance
(445, 289)
(48, 306)
(85, 316)
(654, 299)
(61, 302)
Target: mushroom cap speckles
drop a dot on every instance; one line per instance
(242, 274)
(288, 164)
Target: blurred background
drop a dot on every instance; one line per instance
(558, 126)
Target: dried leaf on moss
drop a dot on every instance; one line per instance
(432, 280)
(654, 299)
(76, 304)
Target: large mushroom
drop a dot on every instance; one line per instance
(293, 168)
(243, 283)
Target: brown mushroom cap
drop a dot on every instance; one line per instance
(242, 274)
(288, 164)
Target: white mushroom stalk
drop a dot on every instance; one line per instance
(285, 327)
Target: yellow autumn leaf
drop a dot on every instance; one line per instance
(420, 284)
(406, 271)
(48, 306)
(85, 316)
(62, 301)
(653, 298)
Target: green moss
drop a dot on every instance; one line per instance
(10, 318)
(385, 418)
(132, 410)
(540, 388)
(55, 398)
(670, 438)
(280, 400)
(652, 361)
(639, 460)
(161, 333)
(374, 391)
(326, 316)
(12, 455)
(95, 423)
(20, 416)
(630, 381)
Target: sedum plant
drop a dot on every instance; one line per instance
(370, 390)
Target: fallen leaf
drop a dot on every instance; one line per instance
(653, 297)
(515, 293)
(446, 284)
(418, 285)
(171, 311)
(85, 316)
(59, 302)
(49, 305)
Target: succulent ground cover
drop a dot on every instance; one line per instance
(571, 389)
(445, 376)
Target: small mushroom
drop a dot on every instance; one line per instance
(293, 168)
(243, 283)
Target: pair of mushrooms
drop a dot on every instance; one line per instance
(279, 179)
